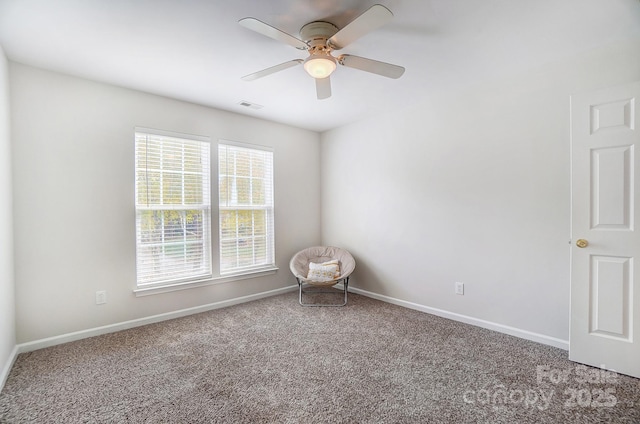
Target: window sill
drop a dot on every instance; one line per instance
(170, 287)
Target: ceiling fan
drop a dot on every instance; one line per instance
(320, 38)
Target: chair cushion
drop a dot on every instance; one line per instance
(326, 271)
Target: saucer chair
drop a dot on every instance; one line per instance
(323, 267)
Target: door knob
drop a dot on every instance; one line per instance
(582, 243)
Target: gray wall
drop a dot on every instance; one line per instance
(7, 308)
(471, 187)
(73, 163)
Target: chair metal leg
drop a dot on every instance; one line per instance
(345, 285)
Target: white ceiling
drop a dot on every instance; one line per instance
(194, 50)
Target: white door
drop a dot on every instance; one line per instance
(605, 187)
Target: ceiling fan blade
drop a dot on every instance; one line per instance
(369, 65)
(373, 18)
(272, 32)
(323, 88)
(272, 70)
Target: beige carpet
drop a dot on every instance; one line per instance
(272, 361)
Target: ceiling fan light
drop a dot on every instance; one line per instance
(320, 66)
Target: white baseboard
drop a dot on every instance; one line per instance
(112, 328)
(7, 367)
(512, 331)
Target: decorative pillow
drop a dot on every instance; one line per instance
(333, 262)
(325, 271)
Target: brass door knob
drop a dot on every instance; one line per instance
(582, 243)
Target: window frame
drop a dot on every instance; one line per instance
(269, 212)
(215, 276)
(203, 143)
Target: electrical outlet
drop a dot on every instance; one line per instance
(459, 288)
(101, 297)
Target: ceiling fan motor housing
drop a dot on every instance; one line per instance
(316, 34)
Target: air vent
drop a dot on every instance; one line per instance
(250, 105)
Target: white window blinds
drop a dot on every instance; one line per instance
(173, 209)
(246, 208)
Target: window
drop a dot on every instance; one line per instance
(173, 208)
(245, 183)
